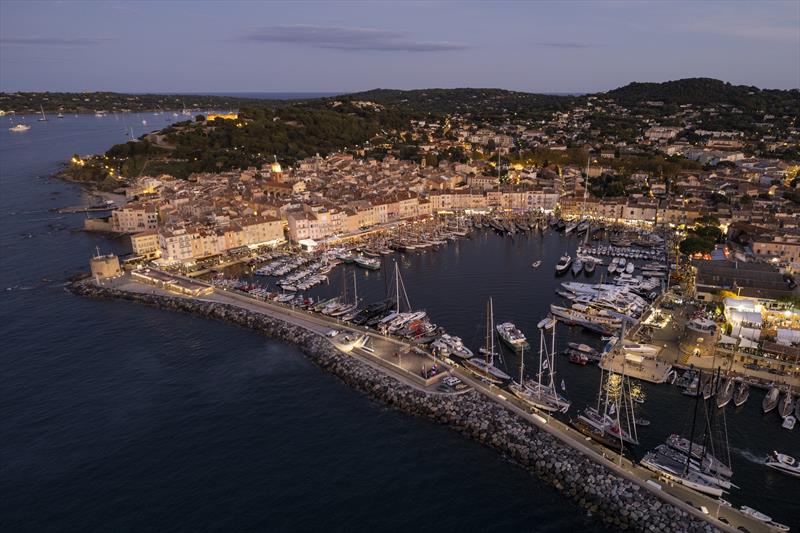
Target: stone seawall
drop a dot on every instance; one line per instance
(611, 499)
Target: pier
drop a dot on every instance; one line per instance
(408, 369)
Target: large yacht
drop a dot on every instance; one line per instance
(512, 336)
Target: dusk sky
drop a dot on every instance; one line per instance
(350, 46)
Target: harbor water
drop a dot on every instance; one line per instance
(122, 417)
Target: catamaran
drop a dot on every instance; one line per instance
(484, 367)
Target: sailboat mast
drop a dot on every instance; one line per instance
(355, 289)
(551, 360)
(491, 329)
(397, 285)
(694, 421)
(522, 367)
(542, 350)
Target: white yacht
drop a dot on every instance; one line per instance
(563, 264)
(19, 128)
(512, 336)
(784, 463)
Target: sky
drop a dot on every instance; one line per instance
(536, 46)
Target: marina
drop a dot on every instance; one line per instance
(459, 342)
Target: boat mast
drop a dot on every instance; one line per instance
(542, 350)
(355, 289)
(522, 367)
(491, 329)
(694, 421)
(551, 360)
(397, 286)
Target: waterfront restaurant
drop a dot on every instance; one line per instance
(760, 338)
(172, 283)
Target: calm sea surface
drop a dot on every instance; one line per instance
(118, 417)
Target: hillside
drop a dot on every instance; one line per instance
(708, 91)
(90, 102)
(479, 103)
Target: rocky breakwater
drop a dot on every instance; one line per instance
(611, 499)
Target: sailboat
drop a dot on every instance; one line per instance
(692, 463)
(612, 411)
(537, 393)
(726, 394)
(485, 368)
(44, 117)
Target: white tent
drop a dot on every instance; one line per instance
(787, 337)
(749, 317)
(746, 343)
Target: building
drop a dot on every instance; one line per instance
(782, 249)
(175, 244)
(145, 244)
(759, 281)
(134, 217)
(105, 266)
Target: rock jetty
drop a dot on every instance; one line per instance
(609, 498)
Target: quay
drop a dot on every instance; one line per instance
(632, 496)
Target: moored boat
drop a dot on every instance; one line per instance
(725, 394)
(770, 401)
(786, 405)
(742, 393)
(563, 264)
(756, 515)
(512, 336)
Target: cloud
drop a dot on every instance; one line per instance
(752, 31)
(564, 45)
(57, 41)
(342, 38)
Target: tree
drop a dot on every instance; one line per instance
(695, 245)
(708, 220)
(717, 198)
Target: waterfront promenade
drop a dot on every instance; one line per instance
(408, 369)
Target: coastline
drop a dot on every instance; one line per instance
(613, 500)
